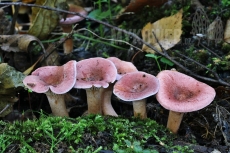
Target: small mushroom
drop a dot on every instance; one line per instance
(67, 24)
(136, 87)
(54, 81)
(180, 93)
(122, 67)
(93, 75)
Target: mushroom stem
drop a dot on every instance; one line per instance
(139, 108)
(94, 100)
(174, 121)
(57, 104)
(107, 107)
(68, 44)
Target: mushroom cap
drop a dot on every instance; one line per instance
(181, 93)
(71, 19)
(59, 79)
(123, 67)
(97, 72)
(136, 86)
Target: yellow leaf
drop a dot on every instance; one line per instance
(227, 32)
(167, 31)
(215, 30)
(30, 69)
(44, 21)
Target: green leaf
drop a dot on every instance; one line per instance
(152, 56)
(104, 15)
(166, 61)
(97, 14)
(128, 143)
(94, 13)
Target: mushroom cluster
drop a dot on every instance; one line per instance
(100, 77)
(122, 67)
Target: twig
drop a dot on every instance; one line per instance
(128, 33)
(122, 41)
(220, 115)
(3, 110)
(210, 51)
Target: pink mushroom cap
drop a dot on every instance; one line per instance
(181, 93)
(59, 79)
(71, 19)
(97, 72)
(136, 86)
(123, 67)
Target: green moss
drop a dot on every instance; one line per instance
(226, 47)
(85, 134)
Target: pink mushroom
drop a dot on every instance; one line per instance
(68, 23)
(180, 93)
(136, 87)
(54, 81)
(122, 67)
(93, 75)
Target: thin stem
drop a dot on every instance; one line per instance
(158, 63)
(174, 121)
(94, 100)
(139, 108)
(57, 104)
(107, 107)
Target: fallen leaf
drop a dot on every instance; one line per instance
(44, 21)
(6, 104)
(136, 5)
(9, 78)
(215, 30)
(167, 31)
(31, 68)
(19, 43)
(227, 31)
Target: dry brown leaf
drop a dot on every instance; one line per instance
(10, 79)
(167, 31)
(44, 21)
(136, 5)
(18, 43)
(36, 9)
(215, 30)
(227, 32)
